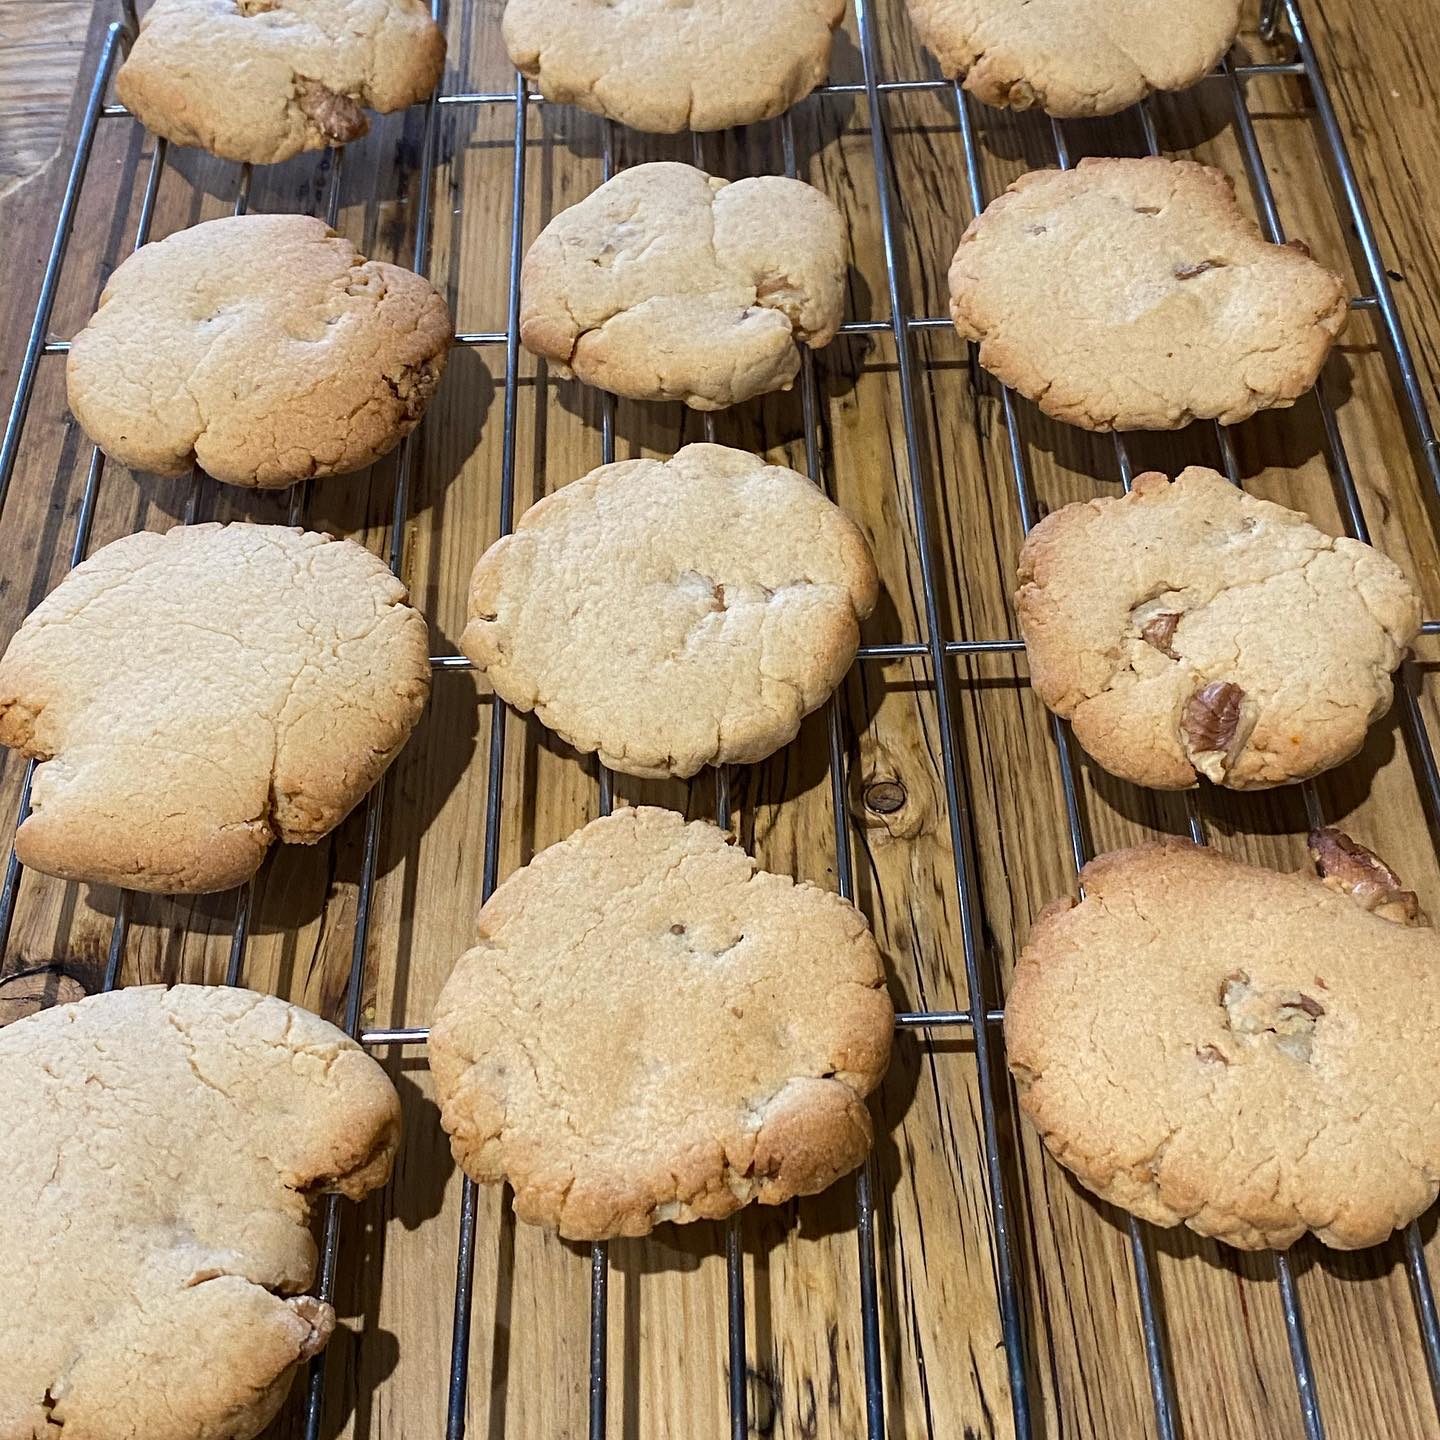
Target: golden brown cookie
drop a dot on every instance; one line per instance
(1075, 57)
(261, 80)
(652, 1028)
(1243, 1051)
(194, 696)
(1189, 629)
(1136, 295)
(672, 614)
(661, 66)
(668, 284)
(163, 1148)
(261, 347)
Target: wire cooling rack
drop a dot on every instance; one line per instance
(932, 652)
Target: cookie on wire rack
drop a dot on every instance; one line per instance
(163, 1151)
(662, 67)
(651, 1028)
(1243, 1051)
(1190, 629)
(672, 614)
(1136, 295)
(1075, 57)
(262, 348)
(262, 80)
(669, 284)
(194, 696)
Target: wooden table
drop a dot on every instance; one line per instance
(944, 1366)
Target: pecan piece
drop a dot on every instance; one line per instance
(1212, 716)
(413, 386)
(321, 1320)
(1351, 869)
(336, 116)
(1288, 1016)
(1189, 272)
(1159, 631)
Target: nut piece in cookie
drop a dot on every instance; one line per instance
(652, 1028)
(668, 284)
(1136, 295)
(1353, 870)
(262, 348)
(1189, 629)
(194, 696)
(673, 614)
(1245, 1052)
(658, 66)
(262, 80)
(1075, 57)
(163, 1149)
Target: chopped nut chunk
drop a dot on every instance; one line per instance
(1160, 631)
(1212, 716)
(1287, 1015)
(336, 116)
(1353, 870)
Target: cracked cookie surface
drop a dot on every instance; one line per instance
(1136, 295)
(162, 1154)
(1244, 1051)
(669, 284)
(261, 347)
(1075, 57)
(262, 80)
(196, 695)
(652, 1029)
(673, 614)
(664, 66)
(1189, 629)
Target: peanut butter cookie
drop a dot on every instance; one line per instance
(668, 284)
(652, 1028)
(659, 66)
(261, 347)
(262, 80)
(1240, 1050)
(726, 609)
(194, 696)
(162, 1151)
(1190, 629)
(1075, 57)
(1136, 295)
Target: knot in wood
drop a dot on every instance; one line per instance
(885, 797)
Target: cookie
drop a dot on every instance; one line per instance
(1135, 295)
(1244, 1051)
(1075, 57)
(261, 347)
(672, 614)
(652, 1028)
(662, 67)
(194, 696)
(1189, 629)
(668, 284)
(262, 80)
(163, 1148)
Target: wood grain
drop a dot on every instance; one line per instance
(943, 1359)
(42, 48)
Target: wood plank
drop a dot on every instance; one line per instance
(944, 1366)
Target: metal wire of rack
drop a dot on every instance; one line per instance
(934, 651)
